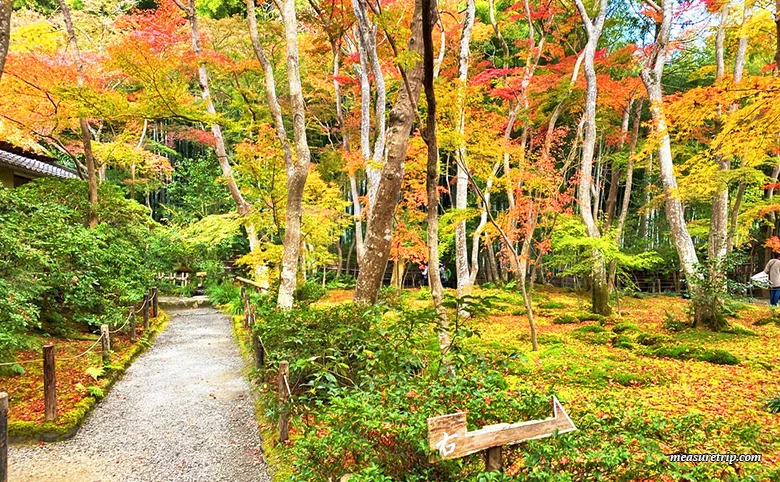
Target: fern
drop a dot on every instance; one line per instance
(95, 372)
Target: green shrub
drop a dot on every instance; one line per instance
(342, 282)
(309, 292)
(56, 274)
(384, 432)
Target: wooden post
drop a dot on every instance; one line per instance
(493, 460)
(155, 307)
(105, 344)
(132, 327)
(284, 395)
(49, 384)
(146, 312)
(3, 437)
(259, 350)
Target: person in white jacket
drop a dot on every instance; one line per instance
(773, 270)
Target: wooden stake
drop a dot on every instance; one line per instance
(49, 384)
(155, 307)
(105, 344)
(284, 395)
(259, 351)
(493, 460)
(132, 327)
(146, 312)
(3, 437)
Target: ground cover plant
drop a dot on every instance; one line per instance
(364, 380)
(81, 382)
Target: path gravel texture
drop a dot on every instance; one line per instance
(182, 412)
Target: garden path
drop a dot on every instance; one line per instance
(183, 412)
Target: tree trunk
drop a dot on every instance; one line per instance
(86, 135)
(429, 15)
(600, 302)
(366, 33)
(720, 39)
(298, 170)
(626, 192)
(652, 72)
(380, 219)
(614, 181)
(462, 184)
(491, 260)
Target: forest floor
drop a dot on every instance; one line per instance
(182, 412)
(624, 363)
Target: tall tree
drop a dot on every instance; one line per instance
(380, 218)
(600, 303)
(298, 170)
(462, 184)
(86, 135)
(652, 73)
(429, 14)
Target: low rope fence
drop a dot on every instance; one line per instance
(258, 347)
(150, 303)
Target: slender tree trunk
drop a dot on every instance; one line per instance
(429, 15)
(6, 7)
(380, 219)
(298, 171)
(718, 238)
(706, 308)
(727, 229)
(614, 181)
(462, 184)
(366, 33)
(86, 135)
(491, 258)
(627, 191)
(600, 287)
(720, 39)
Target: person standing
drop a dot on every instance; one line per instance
(424, 272)
(773, 270)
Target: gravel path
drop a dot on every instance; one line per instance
(182, 412)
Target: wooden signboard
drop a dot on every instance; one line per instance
(447, 434)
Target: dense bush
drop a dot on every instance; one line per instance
(56, 273)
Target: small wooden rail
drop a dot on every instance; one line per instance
(50, 375)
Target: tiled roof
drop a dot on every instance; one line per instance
(34, 166)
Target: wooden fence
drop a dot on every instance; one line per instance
(150, 303)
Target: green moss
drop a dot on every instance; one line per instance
(652, 339)
(623, 341)
(68, 423)
(551, 305)
(591, 329)
(623, 327)
(565, 320)
(687, 352)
